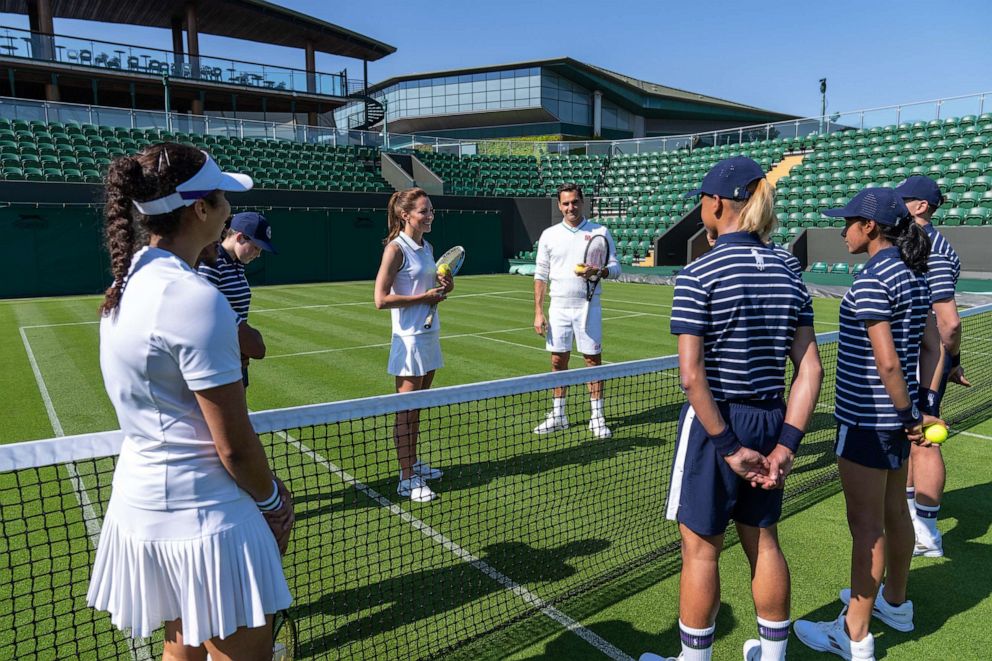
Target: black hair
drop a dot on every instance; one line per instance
(912, 242)
(570, 188)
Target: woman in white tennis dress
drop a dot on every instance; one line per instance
(407, 284)
(196, 520)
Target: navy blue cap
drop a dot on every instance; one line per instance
(730, 178)
(919, 187)
(883, 205)
(254, 225)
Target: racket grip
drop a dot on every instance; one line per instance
(430, 318)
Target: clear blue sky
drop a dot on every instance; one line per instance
(769, 54)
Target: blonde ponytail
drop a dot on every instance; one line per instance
(758, 213)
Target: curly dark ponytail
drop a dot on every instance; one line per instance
(150, 174)
(912, 242)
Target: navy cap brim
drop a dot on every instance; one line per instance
(843, 212)
(264, 245)
(693, 193)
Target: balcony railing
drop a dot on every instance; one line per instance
(77, 51)
(970, 106)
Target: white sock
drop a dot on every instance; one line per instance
(774, 637)
(559, 407)
(911, 501)
(697, 644)
(927, 515)
(597, 407)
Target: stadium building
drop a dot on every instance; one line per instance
(562, 97)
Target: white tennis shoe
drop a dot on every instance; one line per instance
(552, 424)
(928, 544)
(898, 617)
(425, 471)
(832, 637)
(597, 425)
(648, 656)
(752, 650)
(416, 490)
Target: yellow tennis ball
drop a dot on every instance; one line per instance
(936, 434)
(580, 269)
(444, 270)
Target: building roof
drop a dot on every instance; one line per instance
(251, 20)
(639, 96)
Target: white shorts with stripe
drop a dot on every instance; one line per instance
(575, 319)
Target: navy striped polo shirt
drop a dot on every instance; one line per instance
(228, 275)
(790, 260)
(943, 266)
(886, 290)
(746, 303)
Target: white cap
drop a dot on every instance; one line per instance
(208, 179)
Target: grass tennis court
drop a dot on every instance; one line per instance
(327, 342)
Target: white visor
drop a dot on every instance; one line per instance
(203, 183)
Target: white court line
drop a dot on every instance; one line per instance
(295, 307)
(607, 299)
(462, 554)
(971, 434)
(372, 303)
(90, 517)
(606, 306)
(379, 345)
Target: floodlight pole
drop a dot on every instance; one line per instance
(168, 104)
(385, 122)
(823, 103)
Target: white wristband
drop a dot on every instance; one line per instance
(271, 503)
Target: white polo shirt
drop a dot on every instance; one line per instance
(417, 275)
(559, 249)
(172, 335)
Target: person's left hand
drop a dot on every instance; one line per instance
(281, 520)
(593, 273)
(446, 282)
(957, 376)
(780, 462)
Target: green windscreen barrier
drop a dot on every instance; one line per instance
(330, 245)
(56, 252)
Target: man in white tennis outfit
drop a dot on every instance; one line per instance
(570, 315)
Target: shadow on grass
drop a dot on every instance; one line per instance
(423, 598)
(937, 586)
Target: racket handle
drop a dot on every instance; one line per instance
(430, 317)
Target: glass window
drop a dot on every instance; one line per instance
(506, 84)
(479, 86)
(506, 96)
(492, 96)
(492, 85)
(492, 75)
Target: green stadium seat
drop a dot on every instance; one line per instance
(818, 267)
(841, 267)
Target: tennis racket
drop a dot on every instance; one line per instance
(597, 254)
(453, 260)
(283, 637)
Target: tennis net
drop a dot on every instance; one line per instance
(525, 529)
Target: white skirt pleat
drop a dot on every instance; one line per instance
(217, 568)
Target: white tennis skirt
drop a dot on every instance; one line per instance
(415, 355)
(217, 568)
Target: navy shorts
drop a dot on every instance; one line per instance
(885, 449)
(705, 494)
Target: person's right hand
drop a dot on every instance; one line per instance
(281, 520)
(433, 296)
(540, 323)
(957, 376)
(915, 434)
(750, 466)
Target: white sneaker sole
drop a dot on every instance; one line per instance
(878, 614)
(542, 430)
(928, 551)
(820, 648)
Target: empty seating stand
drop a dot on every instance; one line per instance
(40, 151)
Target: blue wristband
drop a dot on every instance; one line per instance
(791, 437)
(910, 416)
(726, 442)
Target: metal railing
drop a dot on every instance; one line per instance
(78, 51)
(972, 105)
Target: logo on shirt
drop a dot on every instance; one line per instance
(587, 237)
(268, 232)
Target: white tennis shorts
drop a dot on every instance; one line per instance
(575, 320)
(415, 355)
